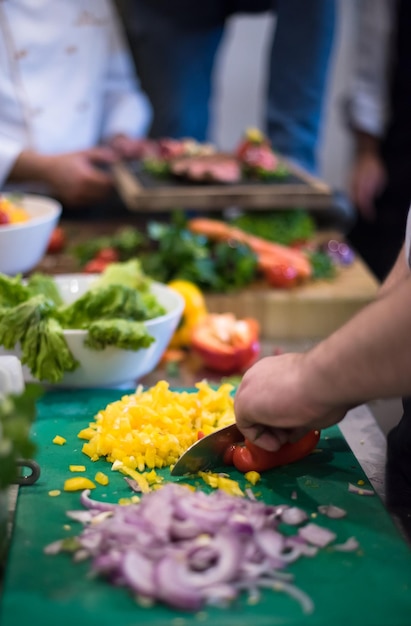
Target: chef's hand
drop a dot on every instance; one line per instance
(79, 178)
(279, 400)
(126, 147)
(75, 178)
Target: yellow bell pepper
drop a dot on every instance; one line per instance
(194, 311)
(78, 483)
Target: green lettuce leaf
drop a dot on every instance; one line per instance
(128, 274)
(108, 302)
(46, 353)
(12, 291)
(15, 322)
(121, 333)
(43, 284)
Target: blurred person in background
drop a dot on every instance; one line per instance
(174, 45)
(69, 99)
(379, 115)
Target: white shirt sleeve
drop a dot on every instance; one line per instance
(369, 88)
(10, 148)
(13, 131)
(127, 109)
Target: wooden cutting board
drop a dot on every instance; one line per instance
(370, 587)
(310, 311)
(141, 191)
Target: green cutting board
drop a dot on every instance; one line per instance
(371, 587)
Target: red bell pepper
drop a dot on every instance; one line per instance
(248, 457)
(226, 344)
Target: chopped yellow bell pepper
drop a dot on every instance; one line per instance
(252, 477)
(152, 428)
(78, 483)
(101, 478)
(77, 468)
(60, 441)
(217, 481)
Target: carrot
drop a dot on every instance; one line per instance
(267, 252)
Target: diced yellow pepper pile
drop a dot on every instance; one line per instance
(152, 428)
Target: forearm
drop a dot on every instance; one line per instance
(399, 272)
(369, 357)
(30, 166)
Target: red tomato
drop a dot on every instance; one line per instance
(225, 344)
(109, 255)
(95, 266)
(57, 241)
(4, 218)
(229, 454)
(249, 457)
(282, 276)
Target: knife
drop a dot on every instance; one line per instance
(208, 452)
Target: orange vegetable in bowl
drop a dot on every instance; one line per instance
(11, 213)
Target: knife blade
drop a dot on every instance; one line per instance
(208, 452)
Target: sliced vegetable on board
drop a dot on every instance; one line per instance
(248, 457)
(225, 343)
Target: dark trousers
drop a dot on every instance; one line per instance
(398, 469)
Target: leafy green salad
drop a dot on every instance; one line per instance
(113, 310)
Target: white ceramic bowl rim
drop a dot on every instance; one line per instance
(54, 209)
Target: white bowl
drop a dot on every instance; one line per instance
(112, 366)
(23, 245)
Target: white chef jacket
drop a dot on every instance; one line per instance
(67, 81)
(368, 89)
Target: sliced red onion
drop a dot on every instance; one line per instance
(332, 511)
(190, 549)
(360, 490)
(133, 484)
(348, 546)
(317, 535)
(250, 494)
(220, 595)
(303, 548)
(54, 548)
(138, 572)
(307, 605)
(84, 517)
(171, 591)
(270, 542)
(293, 516)
(89, 503)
